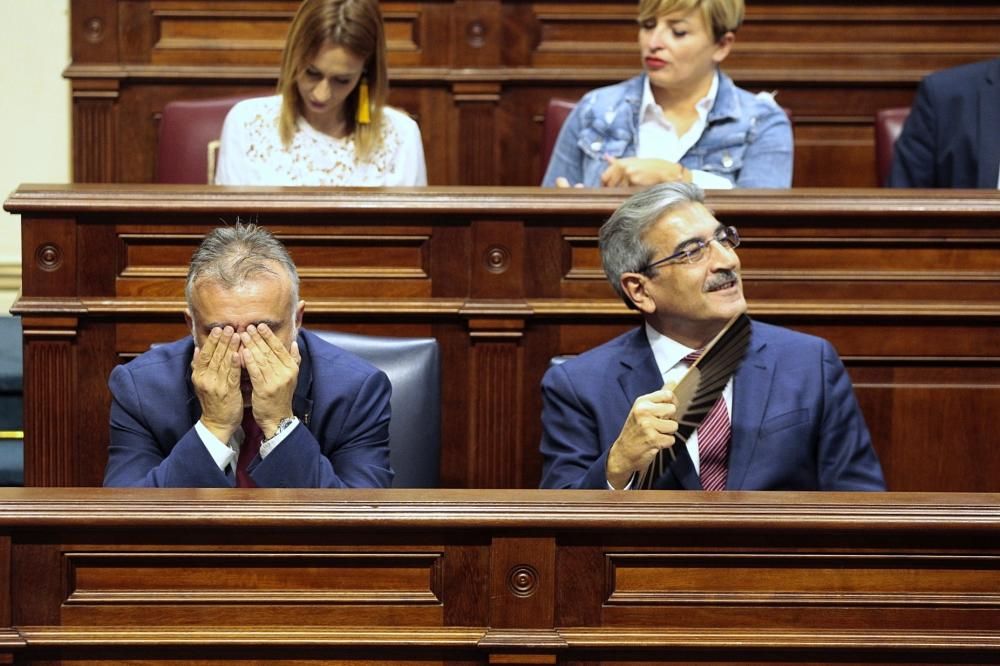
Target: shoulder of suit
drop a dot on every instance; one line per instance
(781, 336)
(625, 346)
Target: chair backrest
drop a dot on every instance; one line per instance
(187, 130)
(555, 115)
(11, 403)
(414, 369)
(888, 125)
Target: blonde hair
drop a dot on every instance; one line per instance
(722, 15)
(355, 25)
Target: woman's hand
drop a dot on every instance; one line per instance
(642, 171)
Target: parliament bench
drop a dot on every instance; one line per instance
(497, 576)
(507, 278)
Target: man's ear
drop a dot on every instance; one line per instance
(300, 310)
(723, 47)
(634, 286)
(189, 320)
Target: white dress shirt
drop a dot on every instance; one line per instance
(658, 137)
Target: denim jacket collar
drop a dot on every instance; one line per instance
(727, 104)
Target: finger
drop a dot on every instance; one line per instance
(665, 442)
(233, 353)
(208, 349)
(607, 177)
(616, 177)
(663, 396)
(296, 355)
(252, 366)
(233, 377)
(220, 356)
(660, 410)
(274, 344)
(259, 351)
(665, 426)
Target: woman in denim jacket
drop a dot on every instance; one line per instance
(682, 119)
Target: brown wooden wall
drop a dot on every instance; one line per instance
(477, 73)
(906, 284)
(580, 578)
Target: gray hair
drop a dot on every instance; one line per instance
(234, 254)
(620, 239)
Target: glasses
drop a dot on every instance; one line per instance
(694, 250)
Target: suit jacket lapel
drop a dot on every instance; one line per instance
(193, 405)
(751, 390)
(302, 404)
(988, 122)
(640, 376)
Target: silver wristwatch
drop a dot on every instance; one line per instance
(283, 425)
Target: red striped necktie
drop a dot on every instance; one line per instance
(714, 434)
(252, 437)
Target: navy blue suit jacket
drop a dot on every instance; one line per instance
(952, 135)
(341, 442)
(796, 422)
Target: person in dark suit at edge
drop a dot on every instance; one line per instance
(795, 423)
(952, 135)
(250, 398)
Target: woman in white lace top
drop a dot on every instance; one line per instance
(329, 124)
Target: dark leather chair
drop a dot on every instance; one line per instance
(189, 139)
(413, 368)
(555, 115)
(888, 125)
(11, 403)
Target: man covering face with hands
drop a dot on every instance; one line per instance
(249, 399)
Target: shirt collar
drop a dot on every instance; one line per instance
(667, 351)
(703, 106)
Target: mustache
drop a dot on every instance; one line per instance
(721, 278)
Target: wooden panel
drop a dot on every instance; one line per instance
(307, 588)
(458, 577)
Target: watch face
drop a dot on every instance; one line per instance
(283, 424)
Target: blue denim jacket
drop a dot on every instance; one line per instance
(748, 138)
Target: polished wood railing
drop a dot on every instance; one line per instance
(464, 576)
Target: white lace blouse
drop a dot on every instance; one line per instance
(251, 152)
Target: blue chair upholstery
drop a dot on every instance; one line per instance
(414, 369)
(11, 403)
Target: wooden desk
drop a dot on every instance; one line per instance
(201, 576)
(906, 284)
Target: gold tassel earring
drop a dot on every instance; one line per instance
(364, 114)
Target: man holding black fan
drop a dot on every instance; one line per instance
(774, 409)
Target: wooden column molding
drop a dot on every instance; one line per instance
(522, 602)
(496, 314)
(95, 135)
(50, 397)
(478, 154)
